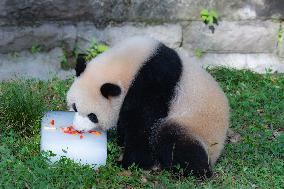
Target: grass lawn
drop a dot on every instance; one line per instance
(255, 161)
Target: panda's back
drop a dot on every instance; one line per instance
(201, 107)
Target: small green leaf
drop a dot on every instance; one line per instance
(102, 48)
(210, 20)
(204, 12)
(204, 18)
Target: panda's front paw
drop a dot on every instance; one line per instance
(142, 159)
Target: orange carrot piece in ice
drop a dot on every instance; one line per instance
(70, 130)
(95, 132)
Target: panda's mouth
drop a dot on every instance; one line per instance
(84, 123)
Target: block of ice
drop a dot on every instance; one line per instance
(90, 149)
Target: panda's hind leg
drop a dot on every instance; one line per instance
(175, 148)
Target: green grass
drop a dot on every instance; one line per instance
(36, 48)
(257, 114)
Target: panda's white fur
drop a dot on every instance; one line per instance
(199, 105)
(203, 107)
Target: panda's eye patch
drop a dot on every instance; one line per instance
(93, 118)
(74, 107)
(110, 90)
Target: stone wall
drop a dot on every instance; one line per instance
(246, 37)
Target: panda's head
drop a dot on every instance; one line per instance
(95, 98)
(100, 86)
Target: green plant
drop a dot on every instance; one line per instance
(95, 49)
(280, 34)
(268, 71)
(64, 61)
(210, 18)
(76, 51)
(199, 53)
(21, 107)
(36, 48)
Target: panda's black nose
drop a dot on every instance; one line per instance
(93, 118)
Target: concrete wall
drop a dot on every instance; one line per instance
(246, 37)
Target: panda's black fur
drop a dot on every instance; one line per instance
(147, 102)
(148, 138)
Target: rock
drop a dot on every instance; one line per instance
(249, 9)
(246, 36)
(232, 37)
(256, 62)
(99, 12)
(170, 34)
(167, 10)
(269, 8)
(68, 35)
(40, 65)
(48, 36)
(19, 12)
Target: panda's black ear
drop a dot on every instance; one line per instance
(110, 90)
(81, 64)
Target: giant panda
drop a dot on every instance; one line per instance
(169, 112)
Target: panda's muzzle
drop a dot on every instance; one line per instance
(93, 118)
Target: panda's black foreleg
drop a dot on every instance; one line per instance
(141, 158)
(178, 152)
(137, 150)
(136, 144)
(120, 134)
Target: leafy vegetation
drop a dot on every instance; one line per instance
(64, 61)
(199, 53)
(95, 49)
(68, 59)
(209, 18)
(36, 48)
(256, 161)
(280, 34)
